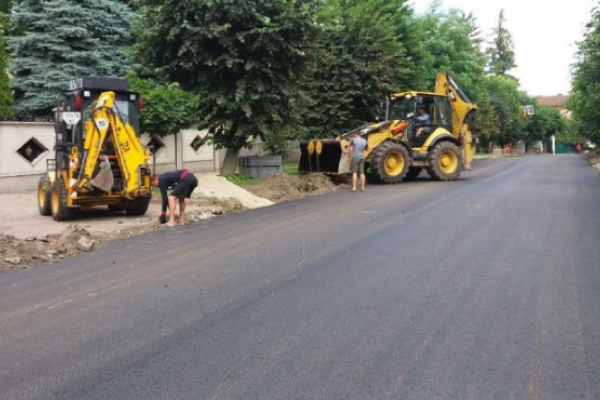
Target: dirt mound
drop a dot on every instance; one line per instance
(283, 187)
(19, 253)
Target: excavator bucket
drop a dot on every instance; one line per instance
(323, 156)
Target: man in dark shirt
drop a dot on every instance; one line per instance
(182, 182)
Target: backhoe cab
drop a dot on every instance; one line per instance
(99, 156)
(404, 144)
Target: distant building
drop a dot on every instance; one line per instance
(559, 102)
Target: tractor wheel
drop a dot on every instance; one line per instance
(390, 162)
(45, 195)
(60, 208)
(445, 161)
(138, 207)
(412, 174)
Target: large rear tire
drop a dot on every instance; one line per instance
(390, 162)
(60, 202)
(138, 207)
(445, 161)
(412, 174)
(45, 195)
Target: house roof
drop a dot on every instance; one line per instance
(559, 100)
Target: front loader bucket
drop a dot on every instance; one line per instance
(326, 156)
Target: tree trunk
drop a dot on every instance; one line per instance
(230, 162)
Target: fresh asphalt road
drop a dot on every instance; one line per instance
(484, 288)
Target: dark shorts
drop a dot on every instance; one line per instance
(357, 165)
(185, 187)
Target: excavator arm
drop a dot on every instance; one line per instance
(105, 120)
(462, 113)
(463, 109)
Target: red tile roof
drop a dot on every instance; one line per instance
(553, 101)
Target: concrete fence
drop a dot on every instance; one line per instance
(25, 147)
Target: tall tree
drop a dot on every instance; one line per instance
(501, 53)
(58, 40)
(486, 124)
(454, 45)
(7, 110)
(584, 100)
(241, 58)
(507, 100)
(6, 101)
(356, 59)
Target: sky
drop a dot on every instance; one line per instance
(545, 34)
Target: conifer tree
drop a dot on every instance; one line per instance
(501, 54)
(58, 40)
(6, 102)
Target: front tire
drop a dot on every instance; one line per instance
(45, 195)
(138, 207)
(390, 162)
(60, 202)
(445, 161)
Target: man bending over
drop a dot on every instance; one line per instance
(182, 183)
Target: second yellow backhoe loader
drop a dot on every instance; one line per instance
(402, 146)
(99, 156)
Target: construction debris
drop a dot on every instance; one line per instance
(23, 252)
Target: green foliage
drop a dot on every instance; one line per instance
(486, 124)
(55, 41)
(240, 179)
(7, 111)
(356, 59)
(277, 143)
(501, 53)
(585, 95)
(453, 45)
(291, 168)
(545, 122)
(570, 135)
(288, 69)
(507, 101)
(167, 108)
(5, 6)
(241, 58)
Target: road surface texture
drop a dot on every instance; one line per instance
(484, 288)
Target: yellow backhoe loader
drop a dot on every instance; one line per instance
(100, 159)
(402, 146)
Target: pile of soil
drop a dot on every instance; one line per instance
(16, 253)
(284, 187)
(19, 253)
